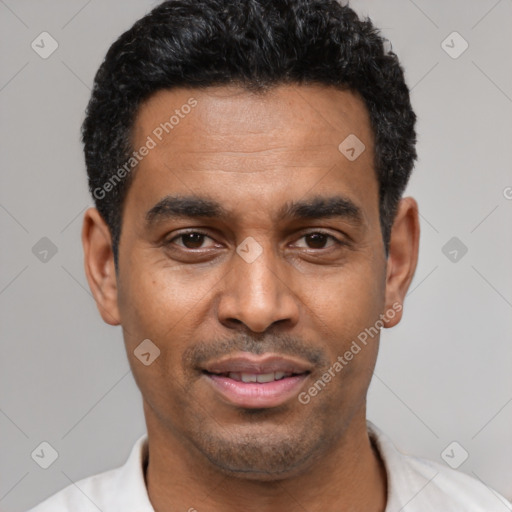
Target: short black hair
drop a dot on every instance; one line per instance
(256, 44)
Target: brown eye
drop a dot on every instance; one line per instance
(318, 240)
(191, 240)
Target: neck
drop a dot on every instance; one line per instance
(348, 476)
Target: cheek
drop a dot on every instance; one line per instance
(166, 305)
(159, 296)
(345, 308)
(159, 304)
(347, 302)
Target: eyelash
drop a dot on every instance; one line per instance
(196, 232)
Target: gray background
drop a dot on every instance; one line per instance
(443, 374)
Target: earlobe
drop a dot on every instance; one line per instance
(403, 257)
(99, 265)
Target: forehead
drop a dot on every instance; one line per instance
(278, 144)
(300, 116)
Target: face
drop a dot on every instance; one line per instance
(251, 248)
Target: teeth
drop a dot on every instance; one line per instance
(260, 377)
(266, 377)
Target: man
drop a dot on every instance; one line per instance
(248, 160)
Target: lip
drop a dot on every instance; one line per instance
(248, 363)
(256, 395)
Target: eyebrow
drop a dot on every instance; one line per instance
(318, 207)
(185, 207)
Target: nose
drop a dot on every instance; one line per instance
(258, 294)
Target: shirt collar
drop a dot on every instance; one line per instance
(130, 493)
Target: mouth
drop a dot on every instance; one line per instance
(261, 378)
(250, 382)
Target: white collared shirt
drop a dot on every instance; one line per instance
(414, 485)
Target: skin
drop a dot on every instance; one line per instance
(303, 296)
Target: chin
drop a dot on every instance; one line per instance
(264, 456)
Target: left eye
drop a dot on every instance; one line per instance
(318, 240)
(192, 240)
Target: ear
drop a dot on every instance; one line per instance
(402, 257)
(99, 265)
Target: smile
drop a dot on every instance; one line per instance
(257, 382)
